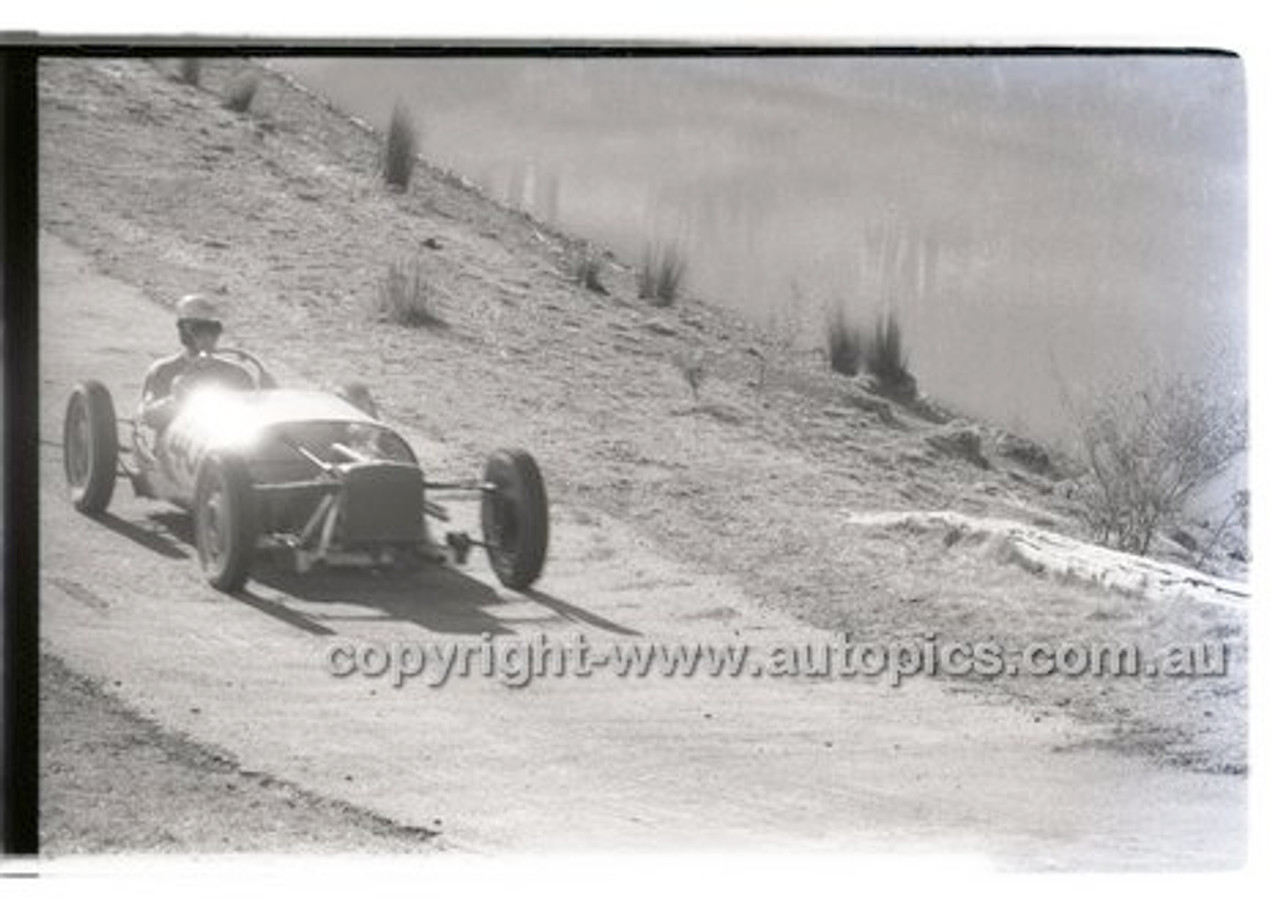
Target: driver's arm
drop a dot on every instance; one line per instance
(160, 413)
(158, 405)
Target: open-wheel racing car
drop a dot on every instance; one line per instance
(308, 471)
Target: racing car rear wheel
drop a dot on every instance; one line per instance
(225, 521)
(514, 518)
(90, 447)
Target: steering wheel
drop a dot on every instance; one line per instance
(222, 357)
(233, 370)
(264, 378)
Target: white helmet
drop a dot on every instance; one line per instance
(198, 308)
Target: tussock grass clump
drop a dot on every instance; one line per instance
(240, 95)
(189, 69)
(587, 266)
(880, 353)
(844, 345)
(400, 151)
(887, 357)
(406, 298)
(661, 275)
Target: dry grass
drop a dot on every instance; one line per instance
(406, 298)
(887, 357)
(881, 353)
(241, 93)
(189, 70)
(844, 344)
(661, 275)
(400, 152)
(693, 369)
(587, 266)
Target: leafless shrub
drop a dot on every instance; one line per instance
(1149, 451)
(1231, 529)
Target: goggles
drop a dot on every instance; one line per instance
(197, 326)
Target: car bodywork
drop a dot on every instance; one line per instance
(302, 470)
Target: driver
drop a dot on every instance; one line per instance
(199, 327)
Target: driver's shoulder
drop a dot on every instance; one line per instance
(170, 362)
(166, 366)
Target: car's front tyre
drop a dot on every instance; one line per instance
(90, 447)
(226, 521)
(513, 514)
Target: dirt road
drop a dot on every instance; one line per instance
(595, 762)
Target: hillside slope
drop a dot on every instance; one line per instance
(281, 215)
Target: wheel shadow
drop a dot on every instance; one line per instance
(576, 614)
(436, 598)
(440, 599)
(278, 610)
(155, 541)
(178, 524)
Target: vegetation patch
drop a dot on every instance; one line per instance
(587, 266)
(887, 359)
(406, 296)
(661, 274)
(880, 353)
(844, 344)
(400, 150)
(241, 93)
(189, 70)
(1149, 451)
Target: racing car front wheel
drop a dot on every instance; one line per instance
(90, 447)
(225, 521)
(513, 514)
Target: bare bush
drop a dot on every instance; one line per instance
(405, 296)
(400, 151)
(1149, 451)
(1231, 531)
